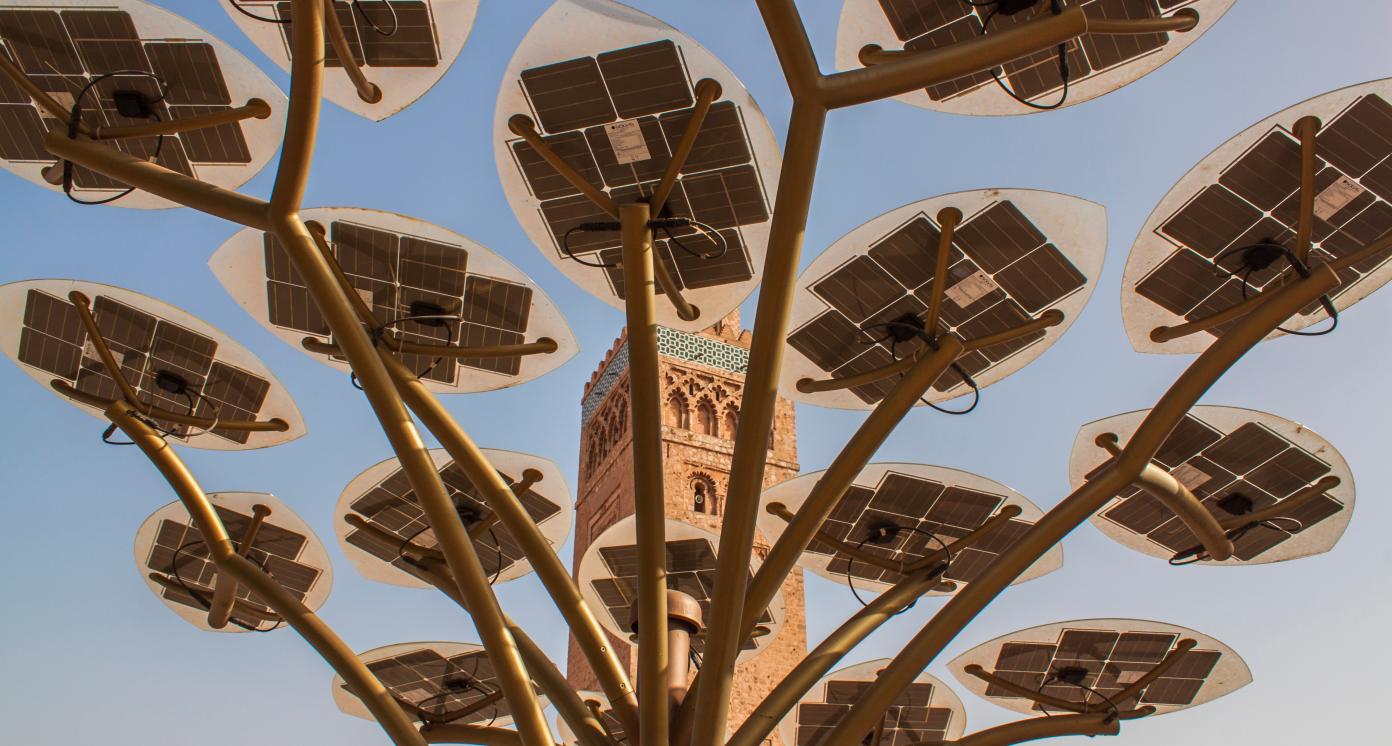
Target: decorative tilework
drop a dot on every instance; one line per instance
(694, 348)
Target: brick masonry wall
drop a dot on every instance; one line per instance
(700, 409)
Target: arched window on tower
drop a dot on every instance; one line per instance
(731, 423)
(676, 414)
(703, 494)
(705, 418)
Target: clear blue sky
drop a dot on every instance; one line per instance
(91, 657)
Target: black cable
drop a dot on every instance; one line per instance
(238, 6)
(75, 119)
(939, 570)
(724, 244)
(396, 22)
(933, 344)
(1198, 553)
(1064, 71)
(565, 249)
(976, 394)
(1300, 267)
(498, 573)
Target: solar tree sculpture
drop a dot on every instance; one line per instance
(644, 169)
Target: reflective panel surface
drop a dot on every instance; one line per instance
(611, 91)
(173, 560)
(1096, 63)
(399, 534)
(926, 712)
(104, 54)
(1236, 461)
(1016, 254)
(403, 47)
(424, 284)
(156, 345)
(1192, 257)
(904, 513)
(1106, 655)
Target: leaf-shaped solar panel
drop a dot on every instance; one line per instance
(926, 712)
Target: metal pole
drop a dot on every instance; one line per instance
(1163, 486)
(224, 554)
(1306, 128)
(367, 90)
(1086, 500)
(948, 218)
(650, 499)
(1034, 729)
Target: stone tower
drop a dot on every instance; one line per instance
(702, 381)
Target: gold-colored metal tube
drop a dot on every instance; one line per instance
(158, 180)
(1184, 504)
(241, 608)
(1086, 500)
(650, 500)
(466, 733)
(1284, 506)
(584, 627)
(84, 311)
(1306, 128)
(1032, 695)
(523, 126)
(929, 67)
(367, 90)
(1050, 318)
(707, 91)
(274, 425)
(1182, 21)
(948, 218)
(225, 593)
(320, 234)
(1034, 729)
(224, 555)
(827, 655)
(39, 95)
(1133, 690)
(254, 108)
(302, 114)
(724, 634)
(663, 278)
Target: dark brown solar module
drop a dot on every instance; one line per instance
(998, 236)
(223, 143)
(180, 553)
(1040, 278)
(344, 11)
(858, 288)
(830, 340)
(192, 72)
(39, 42)
(391, 505)
(932, 24)
(915, 509)
(1360, 138)
(690, 569)
(1112, 659)
(403, 276)
(1253, 463)
(590, 105)
(437, 689)
(910, 253)
(909, 720)
(404, 35)
(645, 79)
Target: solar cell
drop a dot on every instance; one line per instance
(173, 558)
(926, 712)
(1012, 257)
(1195, 253)
(904, 514)
(1097, 63)
(1091, 662)
(155, 346)
(614, 107)
(1236, 462)
(390, 528)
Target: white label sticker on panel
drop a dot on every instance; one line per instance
(971, 289)
(626, 138)
(1336, 197)
(1190, 476)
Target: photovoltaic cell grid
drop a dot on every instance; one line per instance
(919, 509)
(1002, 272)
(1256, 199)
(54, 340)
(1113, 660)
(396, 273)
(61, 50)
(690, 569)
(276, 550)
(404, 33)
(1251, 461)
(615, 118)
(910, 720)
(933, 24)
(439, 689)
(392, 506)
